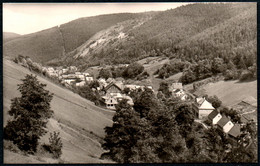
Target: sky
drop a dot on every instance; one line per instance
(25, 18)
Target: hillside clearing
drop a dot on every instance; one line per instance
(231, 92)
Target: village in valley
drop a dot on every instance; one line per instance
(114, 90)
(177, 85)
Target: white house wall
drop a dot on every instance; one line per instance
(216, 119)
(228, 127)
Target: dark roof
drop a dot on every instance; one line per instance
(213, 114)
(223, 121)
(235, 131)
(244, 119)
(111, 84)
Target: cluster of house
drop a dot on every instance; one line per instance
(224, 124)
(77, 78)
(69, 75)
(58, 71)
(112, 92)
(204, 109)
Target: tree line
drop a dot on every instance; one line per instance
(164, 131)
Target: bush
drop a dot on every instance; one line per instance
(15, 60)
(208, 122)
(55, 145)
(230, 75)
(143, 75)
(246, 75)
(214, 100)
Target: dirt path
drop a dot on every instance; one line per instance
(248, 112)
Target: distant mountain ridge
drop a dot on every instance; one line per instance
(55, 42)
(191, 32)
(7, 36)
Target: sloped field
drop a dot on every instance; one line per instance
(232, 92)
(80, 122)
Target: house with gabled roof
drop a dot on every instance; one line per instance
(113, 89)
(214, 117)
(224, 124)
(110, 102)
(234, 132)
(202, 108)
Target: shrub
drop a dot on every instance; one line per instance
(207, 122)
(55, 145)
(230, 75)
(15, 60)
(143, 75)
(214, 100)
(246, 75)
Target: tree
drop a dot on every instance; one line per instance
(105, 73)
(120, 138)
(185, 118)
(164, 88)
(30, 114)
(161, 96)
(218, 66)
(94, 84)
(214, 100)
(15, 60)
(215, 144)
(20, 58)
(55, 145)
(230, 75)
(144, 101)
(233, 114)
(246, 75)
(187, 77)
(241, 63)
(133, 70)
(153, 137)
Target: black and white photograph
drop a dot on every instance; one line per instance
(121, 82)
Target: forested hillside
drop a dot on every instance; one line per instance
(78, 31)
(191, 33)
(40, 47)
(201, 39)
(169, 33)
(55, 42)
